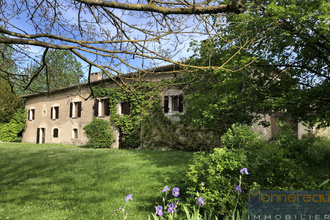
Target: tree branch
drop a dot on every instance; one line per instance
(235, 6)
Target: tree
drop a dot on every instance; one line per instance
(112, 36)
(274, 57)
(12, 113)
(61, 70)
(9, 102)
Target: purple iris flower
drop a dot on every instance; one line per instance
(159, 210)
(245, 171)
(171, 208)
(175, 191)
(166, 189)
(129, 197)
(238, 189)
(200, 201)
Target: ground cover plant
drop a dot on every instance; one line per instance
(68, 182)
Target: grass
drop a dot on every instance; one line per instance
(68, 182)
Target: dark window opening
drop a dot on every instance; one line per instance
(75, 133)
(125, 108)
(175, 103)
(166, 104)
(55, 133)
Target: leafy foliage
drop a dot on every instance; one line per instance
(280, 165)
(219, 171)
(99, 133)
(62, 69)
(140, 105)
(10, 130)
(272, 57)
(9, 102)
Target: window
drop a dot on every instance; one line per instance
(125, 108)
(101, 107)
(54, 112)
(75, 109)
(75, 133)
(31, 114)
(55, 133)
(173, 103)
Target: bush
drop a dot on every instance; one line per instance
(270, 164)
(219, 173)
(308, 151)
(99, 133)
(242, 137)
(279, 165)
(10, 130)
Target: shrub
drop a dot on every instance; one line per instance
(308, 151)
(219, 173)
(274, 166)
(99, 133)
(10, 130)
(242, 137)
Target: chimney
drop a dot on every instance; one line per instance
(96, 76)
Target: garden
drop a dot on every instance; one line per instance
(52, 181)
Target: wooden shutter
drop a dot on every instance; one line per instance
(43, 130)
(96, 107)
(51, 112)
(106, 107)
(181, 103)
(38, 134)
(70, 113)
(33, 114)
(79, 109)
(57, 112)
(166, 104)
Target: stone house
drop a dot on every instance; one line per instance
(59, 116)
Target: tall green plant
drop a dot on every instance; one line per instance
(10, 130)
(100, 133)
(218, 173)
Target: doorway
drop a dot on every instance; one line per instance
(41, 135)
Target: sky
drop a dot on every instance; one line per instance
(22, 24)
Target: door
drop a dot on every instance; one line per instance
(41, 135)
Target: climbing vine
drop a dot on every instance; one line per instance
(143, 100)
(145, 125)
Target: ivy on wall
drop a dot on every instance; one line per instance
(146, 125)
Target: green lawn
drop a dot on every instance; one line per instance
(69, 182)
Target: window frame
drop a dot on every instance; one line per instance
(101, 107)
(173, 104)
(31, 114)
(75, 133)
(75, 109)
(125, 108)
(57, 132)
(54, 112)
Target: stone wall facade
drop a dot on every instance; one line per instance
(60, 116)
